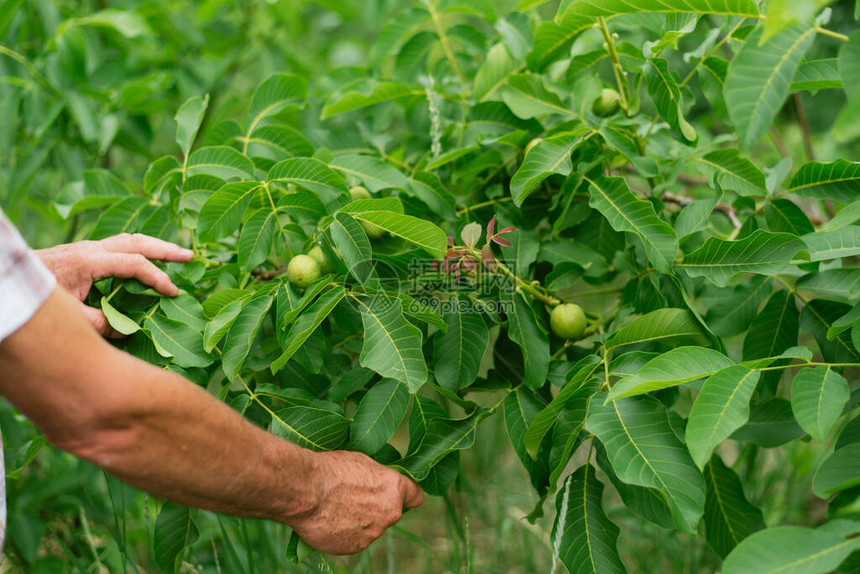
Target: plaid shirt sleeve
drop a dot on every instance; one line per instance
(25, 282)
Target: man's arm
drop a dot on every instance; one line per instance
(164, 434)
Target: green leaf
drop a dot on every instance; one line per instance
(242, 334)
(429, 188)
(353, 246)
(278, 92)
(759, 79)
(126, 22)
(733, 171)
(124, 217)
(527, 96)
(818, 317)
(732, 309)
(832, 284)
(722, 407)
(666, 95)
(847, 64)
(827, 245)
(816, 75)
(378, 416)
(120, 323)
(382, 92)
(257, 238)
(312, 175)
(667, 326)
(790, 550)
(644, 451)
(548, 157)
(185, 309)
(443, 436)
(178, 341)
(222, 322)
(839, 181)
(318, 426)
(678, 366)
(423, 411)
(392, 345)
(222, 213)
(784, 216)
(307, 323)
(220, 161)
(729, 516)
(585, 539)
(174, 532)
(626, 212)
(648, 503)
(273, 143)
(771, 424)
(818, 396)
(553, 40)
(773, 330)
(840, 471)
(613, 7)
(522, 405)
(395, 33)
(419, 232)
(302, 206)
(580, 385)
(372, 171)
(530, 335)
(457, 352)
(498, 65)
(762, 252)
(188, 120)
(782, 14)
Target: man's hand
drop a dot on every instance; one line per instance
(77, 265)
(357, 499)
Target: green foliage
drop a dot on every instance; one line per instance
(705, 222)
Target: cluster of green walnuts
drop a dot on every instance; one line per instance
(303, 270)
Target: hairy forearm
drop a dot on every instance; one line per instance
(173, 439)
(147, 426)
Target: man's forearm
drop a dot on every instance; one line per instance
(150, 427)
(176, 441)
(165, 435)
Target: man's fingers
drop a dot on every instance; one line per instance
(149, 247)
(136, 266)
(413, 496)
(100, 323)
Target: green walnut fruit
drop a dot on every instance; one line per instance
(372, 231)
(303, 270)
(607, 103)
(359, 192)
(568, 321)
(316, 253)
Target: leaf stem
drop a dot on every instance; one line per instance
(278, 220)
(617, 68)
(31, 69)
(469, 208)
(446, 47)
(831, 34)
(810, 364)
(710, 53)
(526, 286)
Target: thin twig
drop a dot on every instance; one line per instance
(804, 126)
(730, 212)
(267, 274)
(778, 141)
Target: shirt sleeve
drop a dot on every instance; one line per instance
(25, 282)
